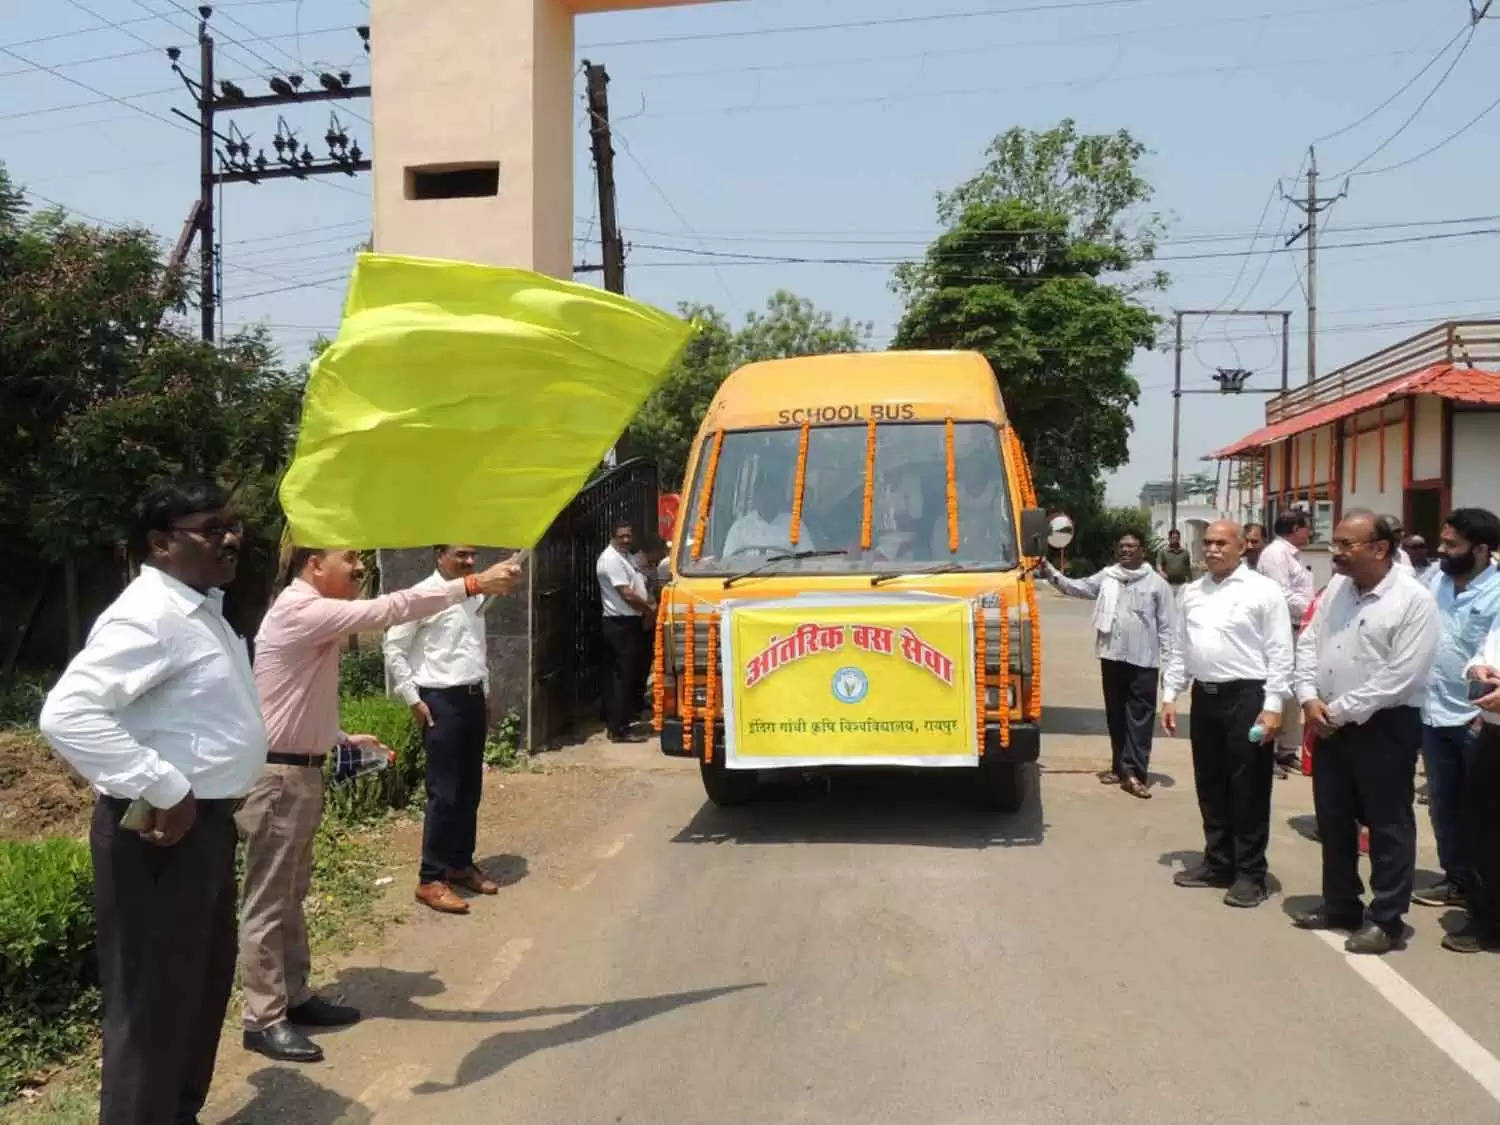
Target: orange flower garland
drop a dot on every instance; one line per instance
(710, 698)
(659, 663)
(1004, 671)
(952, 493)
(700, 531)
(865, 539)
(800, 485)
(689, 669)
(981, 669)
(1035, 704)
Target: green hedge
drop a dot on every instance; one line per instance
(49, 1003)
(361, 673)
(398, 787)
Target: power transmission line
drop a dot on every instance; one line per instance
(91, 89)
(1405, 86)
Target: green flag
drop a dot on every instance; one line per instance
(465, 404)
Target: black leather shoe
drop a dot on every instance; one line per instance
(1203, 876)
(318, 1012)
(283, 1042)
(1324, 919)
(1246, 893)
(1371, 938)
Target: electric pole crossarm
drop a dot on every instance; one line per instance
(260, 101)
(243, 177)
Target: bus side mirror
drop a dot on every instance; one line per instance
(1034, 530)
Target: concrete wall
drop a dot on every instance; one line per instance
(1427, 438)
(1364, 484)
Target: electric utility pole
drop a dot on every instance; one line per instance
(235, 165)
(611, 242)
(1312, 207)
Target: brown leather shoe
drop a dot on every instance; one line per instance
(440, 897)
(473, 879)
(1136, 788)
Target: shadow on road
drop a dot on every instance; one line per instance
(933, 809)
(1305, 825)
(507, 870)
(505, 1048)
(283, 1094)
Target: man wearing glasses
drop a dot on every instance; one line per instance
(159, 713)
(1362, 669)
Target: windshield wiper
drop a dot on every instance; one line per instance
(941, 568)
(793, 556)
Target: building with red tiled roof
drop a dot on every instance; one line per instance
(1413, 429)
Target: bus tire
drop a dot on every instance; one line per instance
(1003, 786)
(725, 787)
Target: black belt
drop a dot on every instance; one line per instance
(312, 761)
(457, 689)
(1229, 686)
(204, 804)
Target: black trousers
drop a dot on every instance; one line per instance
(166, 961)
(625, 640)
(455, 778)
(1233, 778)
(1484, 825)
(1367, 774)
(1130, 710)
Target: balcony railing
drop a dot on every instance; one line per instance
(1466, 343)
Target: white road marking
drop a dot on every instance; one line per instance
(392, 1087)
(498, 972)
(615, 849)
(1426, 1016)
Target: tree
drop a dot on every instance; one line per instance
(790, 326)
(1035, 271)
(100, 397)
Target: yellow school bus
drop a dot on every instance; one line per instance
(849, 583)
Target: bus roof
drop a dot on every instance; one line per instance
(853, 387)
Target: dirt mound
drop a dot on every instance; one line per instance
(39, 795)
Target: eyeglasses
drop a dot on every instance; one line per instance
(215, 532)
(1349, 544)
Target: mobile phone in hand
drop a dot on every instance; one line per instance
(137, 817)
(1478, 689)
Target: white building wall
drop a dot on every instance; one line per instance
(1476, 459)
(1427, 438)
(1363, 486)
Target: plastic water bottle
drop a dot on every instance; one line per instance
(1257, 733)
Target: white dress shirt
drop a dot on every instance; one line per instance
(1281, 562)
(752, 533)
(442, 651)
(161, 701)
(1236, 628)
(1144, 615)
(613, 571)
(1362, 653)
(1489, 656)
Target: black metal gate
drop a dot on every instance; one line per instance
(568, 660)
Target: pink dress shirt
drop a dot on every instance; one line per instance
(297, 656)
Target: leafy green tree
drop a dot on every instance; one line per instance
(789, 326)
(1039, 271)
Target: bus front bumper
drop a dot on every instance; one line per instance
(1024, 741)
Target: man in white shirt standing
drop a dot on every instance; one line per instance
(438, 667)
(1281, 562)
(628, 617)
(1233, 639)
(160, 707)
(1133, 615)
(1362, 668)
(1483, 928)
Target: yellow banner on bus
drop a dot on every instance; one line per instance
(868, 681)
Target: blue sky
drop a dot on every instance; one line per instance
(833, 143)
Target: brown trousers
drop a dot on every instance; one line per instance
(278, 823)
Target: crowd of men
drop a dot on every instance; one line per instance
(1393, 659)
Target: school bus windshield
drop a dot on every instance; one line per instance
(751, 505)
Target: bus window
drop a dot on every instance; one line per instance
(751, 507)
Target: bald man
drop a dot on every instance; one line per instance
(1233, 640)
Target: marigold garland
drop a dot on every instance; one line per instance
(659, 663)
(710, 697)
(866, 518)
(700, 530)
(981, 669)
(1035, 704)
(689, 669)
(800, 484)
(952, 492)
(1005, 676)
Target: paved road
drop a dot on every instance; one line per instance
(879, 952)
